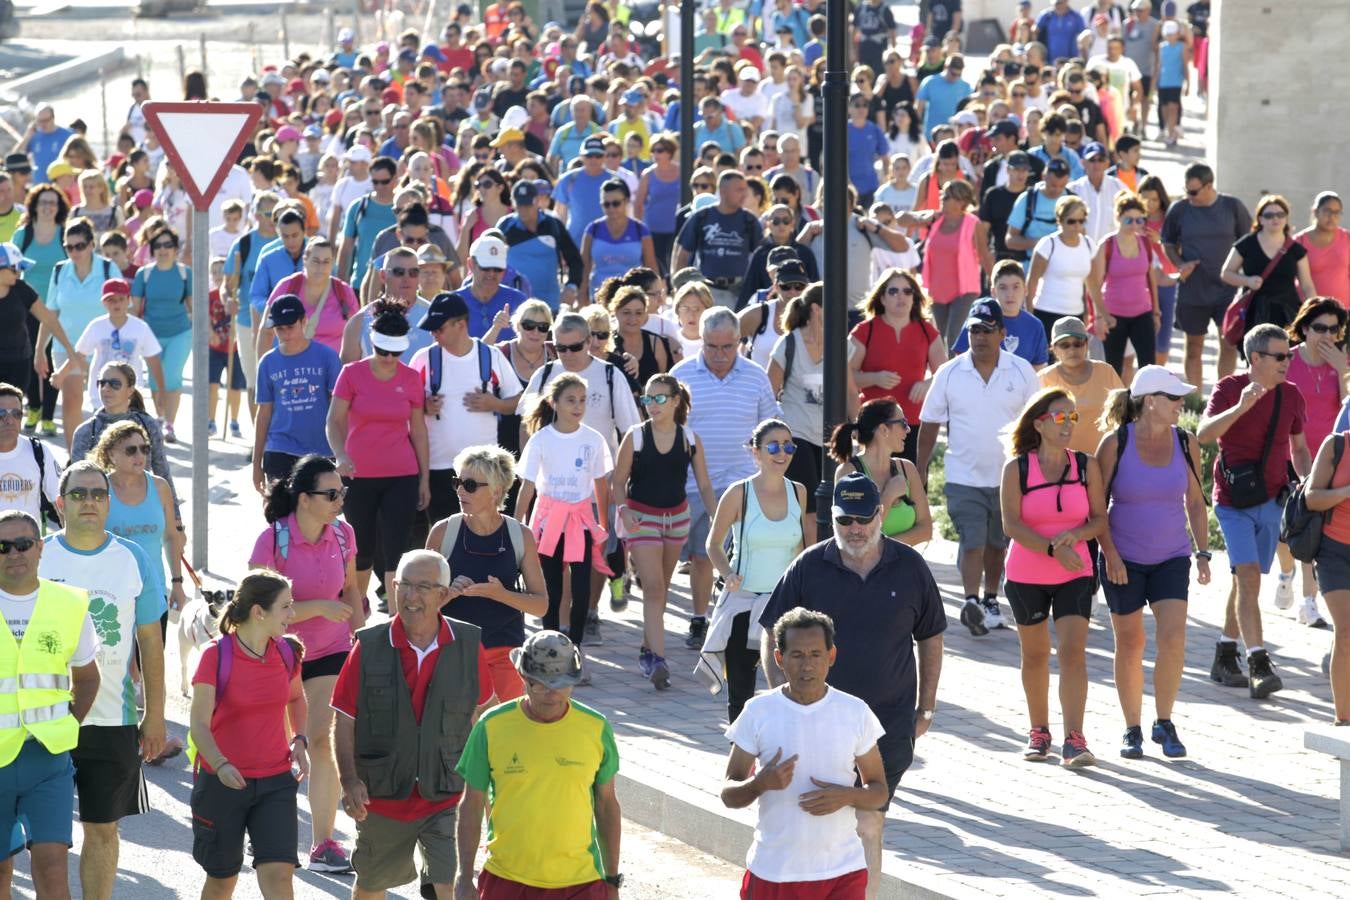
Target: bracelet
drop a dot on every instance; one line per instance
(1204, 554)
(1050, 549)
(300, 737)
(178, 580)
(223, 763)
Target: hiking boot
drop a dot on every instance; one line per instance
(1264, 681)
(1074, 752)
(698, 630)
(1165, 733)
(1227, 670)
(1132, 744)
(1038, 745)
(972, 616)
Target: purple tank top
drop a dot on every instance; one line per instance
(1147, 511)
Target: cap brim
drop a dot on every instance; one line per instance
(288, 320)
(976, 320)
(431, 322)
(550, 681)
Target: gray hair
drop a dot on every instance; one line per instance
(11, 515)
(715, 319)
(412, 557)
(1259, 338)
(571, 322)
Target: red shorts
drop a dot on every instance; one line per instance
(492, 887)
(852, 886)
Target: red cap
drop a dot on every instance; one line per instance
(973, 138)
(296, 86)
(332, 117)
(116, 287)
(389, 95)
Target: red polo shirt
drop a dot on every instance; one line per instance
(418, 675)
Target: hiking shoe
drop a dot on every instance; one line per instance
(618, 593)
(592, 633)
(992, 617)
(1310, 615)
(329, 857)
(1165, 733)
(1264, 680)
(660, 677)
(972, 616)
(1038, 745)
(169, 436)
(47, 428)
(1132, 744)
(1227, 670)
(1074, 752)
(698, 630)
(211, 428)
(30, 420)
(234, 430)
(1284, 591)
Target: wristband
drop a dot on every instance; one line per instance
(1050, 549)
(1204, 554)
(178, 580)
(300, 737)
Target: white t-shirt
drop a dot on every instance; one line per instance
(222, 241)
(828, 737)
(565, 466)
(19, 478)
(132, 343)
(739, 106)
(598, 415)
(347, 191)
(1061, 288)
(18, 610)
(663, 325)
(238, 185)
(458, 427)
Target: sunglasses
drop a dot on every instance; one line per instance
(76, 247)
(115, 383)
(531, 325)
(901, 422)
(381, 182)
(1059, 418)
(15, 414)
(1278, 357)
(702, 186)
(23, 545)
(610, 154)
(893, 291)
(1324, 329)
(485, 184)
(332, 495)
(401, 272)
(1272, 215)
(1071, 345)
(600, 335)
(136, 450)
(380, 352)
(1133, 220)
(753, 168)
(658, 399)
(846, 521)
(1175, 398)
(79, 495)
(570, 348)
(780, 220)
(792, 286)
(1193, 192)
(612, 204)
(773, 448)
(469, 484)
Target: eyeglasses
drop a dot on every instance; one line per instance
(847, 521)
(1324, 329)
(420, 587)
(901, 422)
(76, 247)
(15, 414)
(23, 545)
(570, 348)
(115, 383)
(892, 291)
(79, 495)
(773, 448)
(530, 325)
(332, 495)
(136, 450)
(1272, 215)
(1077, 344)
(470, 485)
(401, 272)
(1075, 221)
(658, 399)
(381, 182)
(1278, 357)
(1133, 220)
(1059, 418)
(612, 204)
(382, 352)
(163, 245)
(750, 169)
(1175, 398)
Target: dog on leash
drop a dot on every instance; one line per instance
(198, 625)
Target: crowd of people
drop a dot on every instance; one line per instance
(498, 371)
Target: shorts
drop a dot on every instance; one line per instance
(506, 681)
(1167, 580)
(248, 353)
(1169, 95)
(216, 368)
(658, 526)
(1194, 318)
(264, 808)
(108, 775)
(322, 667)
(278, 465)
(851, 886)
(383, 857)
(1333, 566)
(897, 754)
(700, 522)
(1031, 603)
(1251, 534)
(494, 887)
(976, 513)
(37, 793)
(173, 358)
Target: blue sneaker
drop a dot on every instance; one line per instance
(1165, 733)
(211, 428)
(646, 662)
(1132, 744)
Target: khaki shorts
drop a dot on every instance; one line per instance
(383, 858)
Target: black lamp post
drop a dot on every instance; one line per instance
(687, 10)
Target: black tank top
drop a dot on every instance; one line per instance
(479, 556)
(647, 365)
(657, 478)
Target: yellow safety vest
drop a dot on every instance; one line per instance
(35, 686)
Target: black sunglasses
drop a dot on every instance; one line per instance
(531, 325)
(1278, 357)
(600, 335)
(136, 450)
(469, 484)
(114, 383)
(400, 271)
(381, 352)
(1324, 329)
(1173, 397)
(74, 247)
(901, 422)
(571, 348)
(332, 495)
(846, 521)
(79, 495)
(23, 545)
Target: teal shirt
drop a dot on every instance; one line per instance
(78, 302)
(165, 292)
(45, 257)
(363, 220)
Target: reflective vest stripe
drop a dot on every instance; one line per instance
(45, 713)
(45, 682)
(11, 721)
(9, 686)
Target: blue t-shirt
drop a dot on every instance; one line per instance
(610, 256)
(731, 138)
(567, 140)
(865, 146)
(721, 244)
(1171, 64)
(247, 266)
(1042, 222)
(581, 193)
(1025, 337)
(165, 292)
(299, 388)
(363, 220)
(813, 51)
(45, 148)
(481, 314)
(1075, 164)
(1061, 33)
(274, 264)
(76, 302)
(941, 97)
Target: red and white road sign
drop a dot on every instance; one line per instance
(202, 140)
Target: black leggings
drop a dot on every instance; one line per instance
(581, 589)
(380, 509)
(742, 666)
(1138, 330)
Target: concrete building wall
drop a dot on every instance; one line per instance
(1279, 119)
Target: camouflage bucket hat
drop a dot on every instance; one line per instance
(549, 658)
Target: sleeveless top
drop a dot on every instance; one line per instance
(1147, 508)
(770, 544)
(761, 343)
(1125, 291)
(657, 479)
(663, 199)
(902, 515)
(141, 523)
(648, 364)
(479, 556)
(613, 256)
(1049, 511)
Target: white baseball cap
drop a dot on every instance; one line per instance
(358, 153)
(489, 252)
(1158, 380)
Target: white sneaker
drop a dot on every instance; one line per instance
(992, 617)
(1284, 591)
(1310, 615)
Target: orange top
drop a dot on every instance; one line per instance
(1336, 522)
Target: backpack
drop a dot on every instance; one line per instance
(609, 380)
(50, 517)
(281, 540)
(1300, 527)
(1183, 438)
(1111, 248)
(485, 373)
(513, 533)
(1024, 464)
(107, 269)
(225, 664)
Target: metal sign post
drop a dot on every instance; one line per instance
(202, 141)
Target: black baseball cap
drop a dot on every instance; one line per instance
(780, 255)
(285, 310)
(856, 495)
(1019, 159)
(985, 312)
(792, 272)
(524, 193)
(446, 307)
(1057, 166)
(1003, 128)
(18, 164)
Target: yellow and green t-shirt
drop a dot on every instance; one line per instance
(539, 779)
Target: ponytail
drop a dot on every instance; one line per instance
(544, 411)
(283, 495)
(136, 403)
(1120, 410)
(841, 442)
(871, 416)
(261, 587)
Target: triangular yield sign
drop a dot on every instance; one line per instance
(202, 140)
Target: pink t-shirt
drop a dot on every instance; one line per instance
(378, 442)
(1049, 511)
(317, 572)
(331, 319)
(1321, 397)
(1330, 267)
(1125, 291)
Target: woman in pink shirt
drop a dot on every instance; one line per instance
(379, 438)
(1053, 504)
(307, 542)
(951, 260)
(1328, 246)
(1123, 284)
(329, 302)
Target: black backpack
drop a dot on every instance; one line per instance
(1024, 464)
(1300, 527)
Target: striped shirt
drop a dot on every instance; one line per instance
(724, 413)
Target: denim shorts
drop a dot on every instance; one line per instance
(1251, 534)
(37, 797)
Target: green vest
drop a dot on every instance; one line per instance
(394, 751)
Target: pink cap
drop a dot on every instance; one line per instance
(287, 133)
(143, 197)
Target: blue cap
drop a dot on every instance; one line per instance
(446, 307)
(431, 51)
(593, 146)
(856, 495)
(11, 257)
(1094, 149)
(985, 312)
(633, 95)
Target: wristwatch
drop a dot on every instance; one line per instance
(925, 714)
(615, 880)
(302, 739)
(1203, 554)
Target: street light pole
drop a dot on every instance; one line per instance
(687, 10)
(834, 99)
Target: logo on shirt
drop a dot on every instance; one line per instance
(49, 642)
(13, 486)
(563, 761)
(515, 767)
